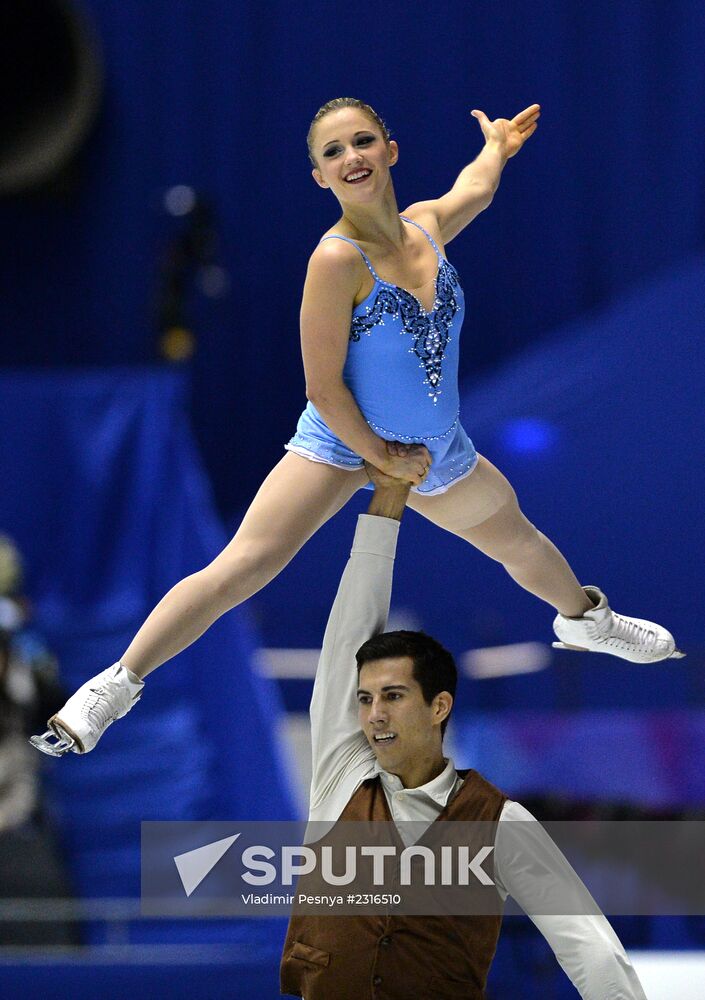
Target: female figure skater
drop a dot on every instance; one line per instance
(380, 323)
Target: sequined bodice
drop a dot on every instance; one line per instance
(429, 331)
(402, 362)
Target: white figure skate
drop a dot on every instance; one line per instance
(78, 726)
(601, 630)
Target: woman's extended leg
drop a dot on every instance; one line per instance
(296, 498)
(483, 509)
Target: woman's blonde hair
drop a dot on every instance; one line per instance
(335, 105)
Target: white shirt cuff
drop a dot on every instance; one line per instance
(376, 535)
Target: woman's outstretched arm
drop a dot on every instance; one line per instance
(476, 184)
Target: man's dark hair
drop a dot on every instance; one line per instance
(433, 666)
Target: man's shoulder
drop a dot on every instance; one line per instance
(477, 794)
(470, 775)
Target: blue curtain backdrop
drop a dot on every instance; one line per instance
(219, 95)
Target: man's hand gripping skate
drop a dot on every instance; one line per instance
(78, 726)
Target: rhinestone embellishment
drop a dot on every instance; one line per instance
(430, 331)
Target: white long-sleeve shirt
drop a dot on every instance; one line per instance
(585, 945)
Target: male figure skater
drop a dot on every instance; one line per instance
(377, 741)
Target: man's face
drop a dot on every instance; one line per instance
(401, 728)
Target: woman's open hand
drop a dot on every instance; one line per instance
(509, 134)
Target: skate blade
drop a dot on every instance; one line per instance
(64, 733)
(52, 744)
(677, 654)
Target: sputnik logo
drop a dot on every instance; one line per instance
(193, 866)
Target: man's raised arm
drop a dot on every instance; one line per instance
(341, 755)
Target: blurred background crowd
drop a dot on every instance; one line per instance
(159, 213)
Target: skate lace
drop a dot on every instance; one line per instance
(97, 709)
(622, 630)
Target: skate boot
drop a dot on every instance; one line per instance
(87, 714)
(601, 630)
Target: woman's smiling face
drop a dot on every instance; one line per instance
(352, 156)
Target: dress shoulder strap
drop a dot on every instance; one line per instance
(353, 243)
(426, 234)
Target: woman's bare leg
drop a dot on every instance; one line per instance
(483, 509)
(296, 498)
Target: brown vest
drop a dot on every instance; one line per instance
(390, 957)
